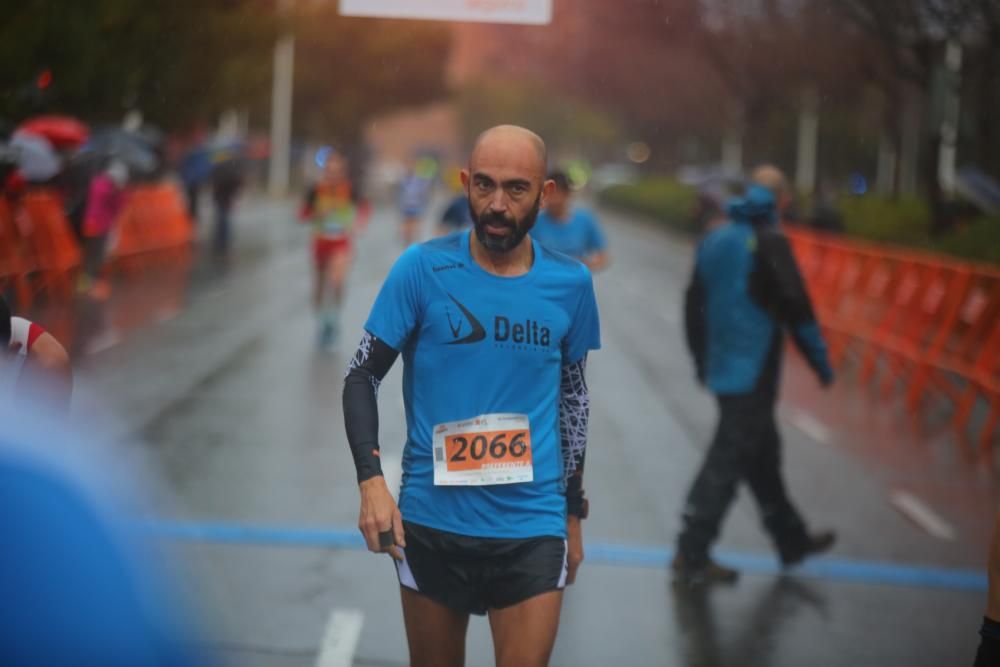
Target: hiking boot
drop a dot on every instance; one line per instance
(810, 546)
(705, 574)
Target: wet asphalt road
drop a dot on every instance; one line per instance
(223, 393)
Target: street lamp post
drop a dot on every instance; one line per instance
(281, 110)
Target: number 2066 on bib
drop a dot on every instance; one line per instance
(488, 449)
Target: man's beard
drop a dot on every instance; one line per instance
(519, 228)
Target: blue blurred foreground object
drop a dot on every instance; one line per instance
(73, 590)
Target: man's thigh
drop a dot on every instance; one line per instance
(435, 634)
(524, 633)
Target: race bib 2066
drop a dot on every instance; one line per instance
(483, 450)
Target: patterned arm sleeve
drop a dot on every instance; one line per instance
(574, 416)
(365, 372)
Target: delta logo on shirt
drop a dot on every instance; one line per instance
(466, 329)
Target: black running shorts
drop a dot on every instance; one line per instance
(473, 574)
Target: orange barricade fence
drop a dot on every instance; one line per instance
(918, 324)
(15, 264)
(154, 218)
(50, 249)
(40, 253)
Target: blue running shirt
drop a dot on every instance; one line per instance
(475, 344)
(577, 237)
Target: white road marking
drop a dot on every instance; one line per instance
(392, 470)
(810, 426)
(923, 516)
(340, 638)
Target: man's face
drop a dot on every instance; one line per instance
(506, 187)
(500, 233)
(335, 169)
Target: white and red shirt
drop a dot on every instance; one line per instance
(23, 336)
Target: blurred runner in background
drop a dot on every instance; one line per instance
(569, 229)
(414, 197)
(335, 216)
(745, 290)
(456, 216)
(227, 180)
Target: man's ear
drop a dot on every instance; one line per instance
(464, 175)
(547, 188)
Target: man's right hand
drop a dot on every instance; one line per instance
(379, 514)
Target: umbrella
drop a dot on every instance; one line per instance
(129, 147)
(61, 131)
(153, 136)
(36, 158)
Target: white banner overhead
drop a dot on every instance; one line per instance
(534, 12)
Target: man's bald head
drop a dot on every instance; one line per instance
(506, 185)
(771, 178)
(511, 138)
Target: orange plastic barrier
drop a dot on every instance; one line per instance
(154, 218)
(15, 264)
(39, 252)
(924, 323)
(49, 244)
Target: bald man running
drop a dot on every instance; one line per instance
(494, 331)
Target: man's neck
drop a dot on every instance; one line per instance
(510, 264)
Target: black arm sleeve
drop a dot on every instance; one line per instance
(574, 418)
(695, 328)
(364, 375)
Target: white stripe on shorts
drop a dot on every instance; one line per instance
(404, 572)
(565, 567)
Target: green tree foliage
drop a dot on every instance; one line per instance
(177, 61)
(347, 69)
(659, 198)
(184, 61)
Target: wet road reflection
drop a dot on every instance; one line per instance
(712, 635)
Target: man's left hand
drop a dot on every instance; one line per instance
(574, 541)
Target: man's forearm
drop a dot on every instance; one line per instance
(364, 375)
(574, 418)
